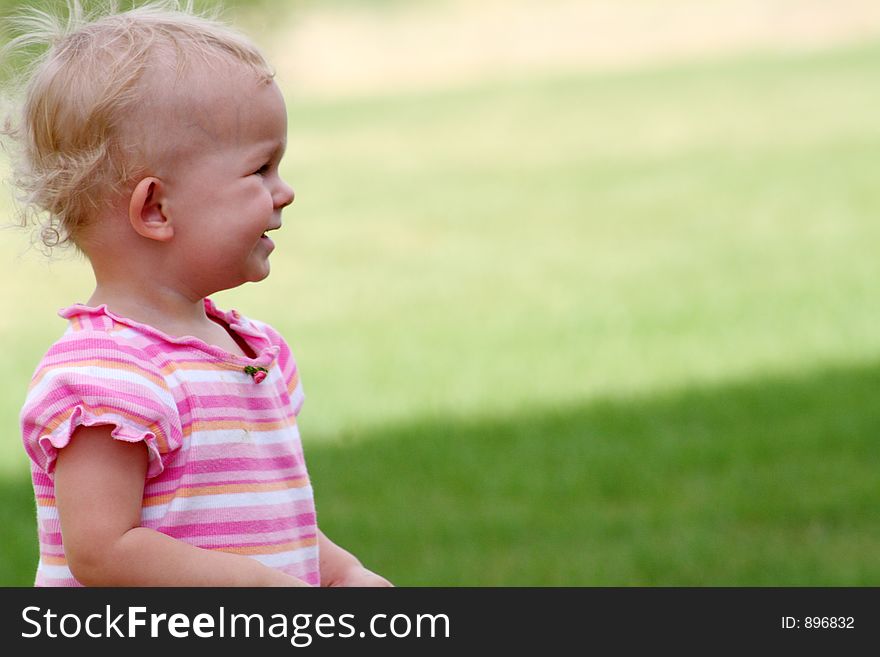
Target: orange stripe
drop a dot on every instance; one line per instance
(294, 382)
(200, 365)
(233, 425)
(270, 549)
(225, 489)
(244, 424)
(49, 560)
(98, 362)
(45, 501)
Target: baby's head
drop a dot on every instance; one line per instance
(117, 97)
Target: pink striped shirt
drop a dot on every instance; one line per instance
(226, 468)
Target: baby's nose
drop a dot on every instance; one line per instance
(284, 196)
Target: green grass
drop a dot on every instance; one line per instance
(614, 329)
(765, 483)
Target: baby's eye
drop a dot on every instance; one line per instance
(262, 170)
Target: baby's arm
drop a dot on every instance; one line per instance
(341, 568)
(99, 485)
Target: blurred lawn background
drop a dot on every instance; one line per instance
(582, 293)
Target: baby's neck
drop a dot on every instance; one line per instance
(173, 316)
(170, 306)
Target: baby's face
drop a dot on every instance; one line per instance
(224, 190)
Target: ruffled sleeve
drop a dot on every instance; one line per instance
(94, 378)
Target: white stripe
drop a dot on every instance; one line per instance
(100, 373)
(47, 513)
(286, 558)
(235, 437)
(53, 572)
(126, 332)
(202, 502)
(278, 560)
(212, 375)
(228, 500)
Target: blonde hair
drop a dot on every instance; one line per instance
(71, 157)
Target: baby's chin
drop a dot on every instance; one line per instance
(252, 276)
(262, 276)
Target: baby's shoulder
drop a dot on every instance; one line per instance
(101, 344)
(104, 367)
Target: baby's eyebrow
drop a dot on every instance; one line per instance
(270, 149)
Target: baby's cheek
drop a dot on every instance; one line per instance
(265, 202)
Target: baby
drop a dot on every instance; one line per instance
(162, 430)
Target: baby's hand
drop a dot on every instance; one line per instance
(360, 576)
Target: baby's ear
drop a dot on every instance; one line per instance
(145, 211)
